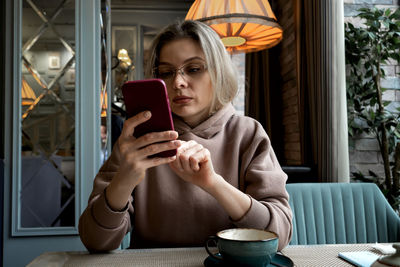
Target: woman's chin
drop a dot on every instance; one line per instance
(182, 111)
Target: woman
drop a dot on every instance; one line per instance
(225, 173)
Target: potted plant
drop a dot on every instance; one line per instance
(368, 48)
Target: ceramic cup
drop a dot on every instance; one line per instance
(244, 247)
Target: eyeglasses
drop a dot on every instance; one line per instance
(192, 70)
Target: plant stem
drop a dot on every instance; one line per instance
(382, 128)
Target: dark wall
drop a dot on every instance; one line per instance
(2, 78)
(1, 208)
(2, 126)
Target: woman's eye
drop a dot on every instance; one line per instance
(165, 74)
(192, 69)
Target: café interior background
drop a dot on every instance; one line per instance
(41, 191)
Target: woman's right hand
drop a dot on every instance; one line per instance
(134, 158)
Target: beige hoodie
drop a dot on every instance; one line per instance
(169, 212)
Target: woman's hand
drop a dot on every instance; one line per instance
(134, 158)
(193, 164)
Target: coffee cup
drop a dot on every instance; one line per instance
(244, 247)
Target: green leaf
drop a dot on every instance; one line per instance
(350, 25)
(377, 12)
(386, 24)
(395, 14)
(376, 25)
(373, 174)
(372, 114)
(363, 9)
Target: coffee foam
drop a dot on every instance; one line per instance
(246, 234)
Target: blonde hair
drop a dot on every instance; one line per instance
(219, 64)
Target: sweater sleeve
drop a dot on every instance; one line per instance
(264, 181)
(100, 227)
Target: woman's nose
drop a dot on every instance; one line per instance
(179, 80)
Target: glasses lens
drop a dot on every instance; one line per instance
(165, 73)
(191, 70)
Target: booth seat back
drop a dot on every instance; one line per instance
(341, 213)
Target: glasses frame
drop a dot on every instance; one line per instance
(179, 70)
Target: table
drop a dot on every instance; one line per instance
(311, 255)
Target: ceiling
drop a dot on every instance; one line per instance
(152, 4)
(136, 4)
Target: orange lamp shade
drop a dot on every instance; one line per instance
(244, 26)
(27, 94)
(103, 103)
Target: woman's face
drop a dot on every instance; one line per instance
(183, 68)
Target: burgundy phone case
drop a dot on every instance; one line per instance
(150, 94)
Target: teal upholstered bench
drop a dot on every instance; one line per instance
(341, 213)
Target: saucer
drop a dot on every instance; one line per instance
(278, 260)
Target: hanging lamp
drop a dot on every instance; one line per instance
(243, 25)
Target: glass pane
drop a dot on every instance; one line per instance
(105, 79)
(239, 60)
(124, 55)
(48, 114)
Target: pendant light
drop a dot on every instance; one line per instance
(243, 25)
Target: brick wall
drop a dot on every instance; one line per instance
(290, 101)
(365, 154)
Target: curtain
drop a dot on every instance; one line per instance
(263, 97)
(257, 88)
(323, 78)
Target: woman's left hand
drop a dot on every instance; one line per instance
(193, 164)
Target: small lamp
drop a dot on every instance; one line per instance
(244, 26)
(125, 60)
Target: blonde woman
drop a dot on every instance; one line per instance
(225, 173)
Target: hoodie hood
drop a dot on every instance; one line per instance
(209, 127)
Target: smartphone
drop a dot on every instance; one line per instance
(149, 94)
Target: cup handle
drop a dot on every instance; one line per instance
(214, 239)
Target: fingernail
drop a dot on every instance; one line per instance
(177, 143)
(147, 114)
(173, 134)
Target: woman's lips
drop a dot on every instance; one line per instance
(182, 99)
